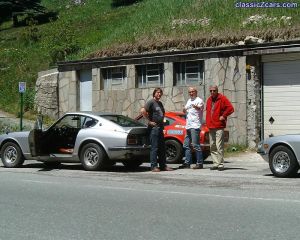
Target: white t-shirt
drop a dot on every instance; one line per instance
(193, 115)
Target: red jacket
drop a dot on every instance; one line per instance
(214, 109)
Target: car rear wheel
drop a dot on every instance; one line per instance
(92, 157)
(11, 155)
(174, 151)
(283, 162)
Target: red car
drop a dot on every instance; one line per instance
(174, 136)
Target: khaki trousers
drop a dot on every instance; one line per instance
(216, 141)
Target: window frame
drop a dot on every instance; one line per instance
(147, 71)
(109, 81)
(183, 71)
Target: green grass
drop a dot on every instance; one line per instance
(82, 30)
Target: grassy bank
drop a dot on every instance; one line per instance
(98, 29)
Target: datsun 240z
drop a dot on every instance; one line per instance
(96, 140)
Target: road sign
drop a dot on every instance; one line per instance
(22, 87)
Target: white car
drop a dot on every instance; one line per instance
(96, 140)
(282, 153)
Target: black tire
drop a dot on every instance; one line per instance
(283, 162)
(11, 155)
(52, 165)
(174, 151)
(92, 157)
(132, 164)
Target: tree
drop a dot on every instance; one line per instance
(11, 9)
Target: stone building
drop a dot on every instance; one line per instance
(249, 75)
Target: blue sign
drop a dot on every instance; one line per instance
(22, 87)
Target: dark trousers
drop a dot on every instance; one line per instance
(158, 149)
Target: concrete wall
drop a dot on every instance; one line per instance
(228, 73)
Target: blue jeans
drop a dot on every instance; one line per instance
(158, 149)
(192, 140)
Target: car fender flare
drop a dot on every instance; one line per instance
(89, 140)
(173, 138)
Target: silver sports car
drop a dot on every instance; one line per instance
(282, 153)
(96, 140)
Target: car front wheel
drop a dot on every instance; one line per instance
(11, 155)
(174, 151)
(92, 157)
(283, 162)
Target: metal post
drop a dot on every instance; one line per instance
(21, 113)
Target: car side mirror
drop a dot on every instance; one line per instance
(38, 125)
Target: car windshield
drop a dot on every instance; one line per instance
(123, 120)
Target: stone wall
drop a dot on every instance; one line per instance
(68, 92)
(46, 96)
(253, 100)
(230, 75)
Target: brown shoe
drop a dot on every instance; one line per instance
(155, 169)
(198, 166)
(167, 169)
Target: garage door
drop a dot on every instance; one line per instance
(281, 93)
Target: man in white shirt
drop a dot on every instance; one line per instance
(194, 113)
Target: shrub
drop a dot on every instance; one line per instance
(31, 34)
(29, 99)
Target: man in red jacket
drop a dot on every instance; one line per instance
(218, 108)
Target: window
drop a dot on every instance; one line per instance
(150, 75)
(168, 121)
(114, 77)
(69, 121)
(189, 73)
(89, 122)
(123, 120)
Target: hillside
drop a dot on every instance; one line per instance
(96, 29)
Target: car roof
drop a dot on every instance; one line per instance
(90, 113)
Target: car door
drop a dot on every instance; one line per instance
(59, 138)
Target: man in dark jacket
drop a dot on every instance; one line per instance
(218, 108)
(154, 112)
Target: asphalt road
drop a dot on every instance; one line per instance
(243, 202)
